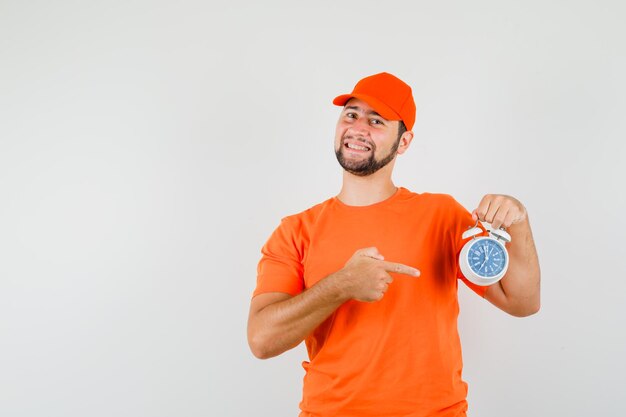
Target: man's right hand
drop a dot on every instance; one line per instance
(278, 321)
(365, 277)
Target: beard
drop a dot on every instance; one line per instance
(368, 166)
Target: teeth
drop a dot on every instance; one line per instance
(357, 147)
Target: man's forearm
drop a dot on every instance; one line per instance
(281, 326)
(279, 322)
(521, 284)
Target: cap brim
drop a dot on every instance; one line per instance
(378, 106)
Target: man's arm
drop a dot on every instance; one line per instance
(278, 322)
(518, 292)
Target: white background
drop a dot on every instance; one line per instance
(149, 148)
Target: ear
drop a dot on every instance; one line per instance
(405, 141)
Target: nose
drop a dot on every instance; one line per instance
(361, 126)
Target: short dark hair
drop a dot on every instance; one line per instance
(401, 129)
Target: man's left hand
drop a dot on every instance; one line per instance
(500, 210)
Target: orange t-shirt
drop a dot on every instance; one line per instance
(400, 356)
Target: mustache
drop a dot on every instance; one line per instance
(361, 139)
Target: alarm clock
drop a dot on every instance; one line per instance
(484, 260)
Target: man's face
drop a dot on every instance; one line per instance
(364, 141)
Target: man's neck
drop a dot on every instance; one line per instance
(365, 191)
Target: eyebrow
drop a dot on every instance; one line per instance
(372, 112)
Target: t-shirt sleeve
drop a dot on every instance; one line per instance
(462, 221)
(280, 268)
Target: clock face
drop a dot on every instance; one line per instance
(486, 257)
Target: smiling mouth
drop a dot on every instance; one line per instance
(356, 147)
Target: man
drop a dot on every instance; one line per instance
(368, 279)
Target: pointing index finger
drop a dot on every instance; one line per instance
(400, 268)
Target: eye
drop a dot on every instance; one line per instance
(351, 115)
(377, 122)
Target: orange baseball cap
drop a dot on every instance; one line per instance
(391, 97)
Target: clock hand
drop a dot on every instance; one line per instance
(483, 264)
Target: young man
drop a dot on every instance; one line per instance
(368, 279)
